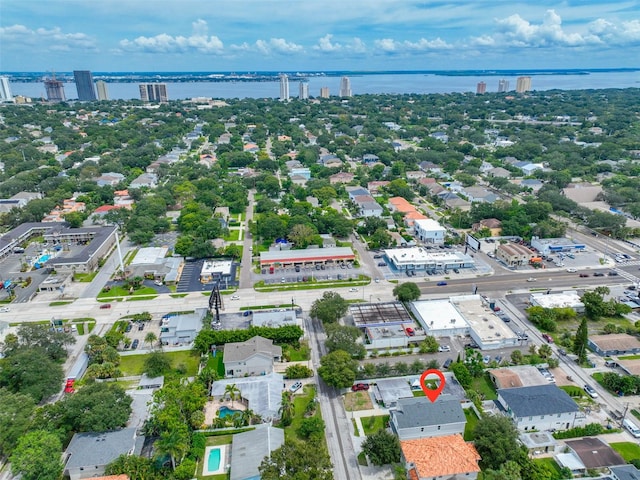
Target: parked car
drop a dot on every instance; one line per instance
(410, 331)
(590, 391)
(505, 319)
(246, 313)
(141, 326)
(486, 359)
(105, 305)
(444, 348)
(382, 264)
(128, 327)
(447, 363)
(295, 387)
(135, 344)
(441, 284)
(547, 337)
(359, 387)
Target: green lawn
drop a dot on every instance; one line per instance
(124, 292)
(300, 403)
(628, 450)
(373, 424)
(635, 413)
(134, 364)
(233, 236)
(630, 357)
(484, 387)
(216, 363)
(551, 466)
(60, 303)
(300, 354)
(472, 420)
(219, 440)
(362, 459)
(84, 277)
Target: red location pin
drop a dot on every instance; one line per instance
(435, 393)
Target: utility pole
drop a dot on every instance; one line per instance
(624, 413)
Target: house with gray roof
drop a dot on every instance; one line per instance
(253, 357)
(89, 453)
(625, 472)
(181, 328)
(250, 448)
(262, 394)
(418, 417)
(540, 407)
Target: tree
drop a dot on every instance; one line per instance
(287, 409)
(496, 439)
(345, 337)
(545, 351)
(15, 418)
(382, 447)
(302, 235)
(338, 369)
(32, 373)
(407, 292)
(38, 456)
(517, 357)
(156, 364)
(175, 443)
(138, 468)
(150, 338)
(297, 461)
(298, 371)
(96, 407)
(429, 345)
(51, 342)
(580, 341)
(329, 308)
(462, 374)
(311, 427)
(232, 392)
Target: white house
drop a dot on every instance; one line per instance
(541, 407)
(253, 357)
(429, 231)
(418, 417)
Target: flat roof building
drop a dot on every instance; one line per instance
(418, 258)
(548, 246)
(568, 299)
(309, 256)
(614, 344)
(212, 269)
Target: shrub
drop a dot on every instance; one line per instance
(298, 371)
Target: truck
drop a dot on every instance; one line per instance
(76, 372)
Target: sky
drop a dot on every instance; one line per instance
(311, 35)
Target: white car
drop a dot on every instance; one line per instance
(444, 348)
(572, 270)
(5, 309)
(353, 289)
(235, 297)
(531, 279)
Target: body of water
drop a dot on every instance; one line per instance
(395, 83)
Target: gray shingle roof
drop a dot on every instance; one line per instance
(420, 412)
(99, 448)
(249, 448)
(239, 351)
(537, 400)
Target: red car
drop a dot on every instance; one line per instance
(68, 388)
(410, 331)
(359, 386)
(106, 305)
(547, 337)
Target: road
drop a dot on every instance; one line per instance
(247, 253)
(338, 426)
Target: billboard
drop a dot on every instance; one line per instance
(473, 243)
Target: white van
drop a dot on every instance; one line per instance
(632, 428)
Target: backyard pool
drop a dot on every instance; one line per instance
(215, 460)
(225, 411)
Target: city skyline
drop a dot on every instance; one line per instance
(373, 35)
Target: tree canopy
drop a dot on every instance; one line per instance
(338, 369)
(330, 308)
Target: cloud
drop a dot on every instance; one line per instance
(278, 45)
(389, 45)
(327, 45)
(199, 41)
(52, 39)
(628, 33)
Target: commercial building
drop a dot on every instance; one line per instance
(614, 344)
(215, 269)
(304, 91)
(465, 315)
(548, 246)
(514, 254)
(101, 88)
(429, 231)
(5, 90)
(96, 244)
(284, 87)
(153, 263)
(345, 87)
(523, 84)
(307, 257)
(84, 85)
(567, 299)
(55, 90)
(421, 259)
(181, 328)
(153, 92)
(274, 318)
(481, 88)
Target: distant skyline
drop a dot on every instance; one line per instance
(289, 35)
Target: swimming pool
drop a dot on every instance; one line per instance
(216, 458)
(225, 411)
(213, 462)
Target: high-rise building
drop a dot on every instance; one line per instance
(84, 85)
(153, 92)
(503, 86)
(345, 87)
(523, 84)
(481, 88)
(54, 89)
(284, 87)
(101, 87)
(304, 91)
(324, 92)
(5, 90)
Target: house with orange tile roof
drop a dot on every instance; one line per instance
(411, 217)
(69, 205)
(400, 204)
(447, 457)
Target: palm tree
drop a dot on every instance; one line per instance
(232, 392)
(150, 337)
(287, 409)
(175, 443)
(207, 376)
